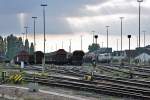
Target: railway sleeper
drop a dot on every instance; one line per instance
(103, 91)
(144, 92)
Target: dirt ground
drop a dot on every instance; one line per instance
(50, 93)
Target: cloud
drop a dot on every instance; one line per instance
(73, 16)
(9, 7)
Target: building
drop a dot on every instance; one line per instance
(143, 58)
(143, 55)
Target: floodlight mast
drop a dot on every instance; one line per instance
(140, 1)
(121, 18)
(107, 35)
(44, 5)
(129, 37)
(34, 19)
(26, 28)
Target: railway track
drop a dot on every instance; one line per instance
(141, 69)
(134, 72)
(81, 73)
(143, 72)
(133, 82)
(102, 84)
(94, 86)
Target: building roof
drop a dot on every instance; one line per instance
(103, 50)
(131, 53)
(118, 53)
(138, 51)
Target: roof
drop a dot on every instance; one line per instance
(117, 53)
(61, 51)
(37, 52)
(138, 51)
(104, 50)
(131, 53)
(78, 53)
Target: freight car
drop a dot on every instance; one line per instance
(22, 56)
(59, 57)
(39, 58)
(77, 58)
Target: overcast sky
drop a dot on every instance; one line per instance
(69, 19)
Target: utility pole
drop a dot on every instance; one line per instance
(121, 18)
(96, 37)
(26, 28)
(107, 35)
(56, 47)
(139, 1)
(131, 75)
(70, 46)
(144, 45)
(62, 45)
(144, 38)
(44, 5)
(81, 42)
(34, 18)
(107, 44)
(23, 38)
(137, 42)
(102, 44)
(93, 32)
(117, 44)
(129, 37)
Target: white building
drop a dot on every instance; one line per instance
(143, 57)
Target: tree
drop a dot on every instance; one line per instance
(13, 45)
(31, 49)
(93, 47)
(5, 46)
(2, 52)
(27, 45)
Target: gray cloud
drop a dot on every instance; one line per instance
(58, 10)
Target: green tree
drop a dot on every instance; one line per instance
(14, 46)
(5, 46)
(2, 52)
(31, 49)
(27, 45)
(93, 47)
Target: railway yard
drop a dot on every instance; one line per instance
(106, 82)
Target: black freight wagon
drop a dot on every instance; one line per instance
(60, 57)
(77, 58)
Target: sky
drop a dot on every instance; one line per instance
(69, 19)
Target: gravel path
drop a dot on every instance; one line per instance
(22, 92)
(50, 93)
